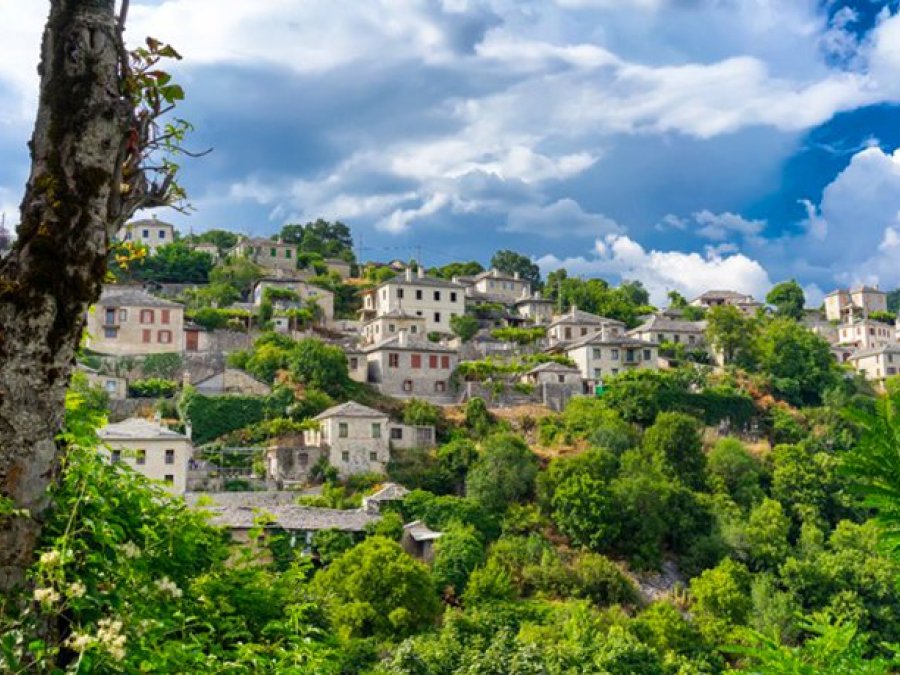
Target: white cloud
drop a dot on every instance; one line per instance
(662, 271)
(562, 218)
(714, 226)
(399, 220)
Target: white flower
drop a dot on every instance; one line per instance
(76, 590)
(79, 641)
(166, 585)
(130, 549)
(46, 595)
(50, 557)
(109, 635)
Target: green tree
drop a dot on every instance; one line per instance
(173, 263)
(788, 299)
(478, 419)
(464, 326)
(454, 459)
(799, 361)
(224, 240)
(673, 443)
(376, 589)
(503, 474)
(510, 262)
(291, 233)
(331, 544)
(730, 333)
(456, 554)
(733, 470)
(238, 272)
(721, 599)
(766, 535)
(677, 300)
(457, 269)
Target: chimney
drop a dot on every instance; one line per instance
(401, 338)
(188, 430)
(516, 276)
(421, 271)
(409, 274)
(495, 272)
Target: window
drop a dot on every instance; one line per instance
(345, 456)
(110, 316)
(440, 386)
(677, 338)
(407, 385)
(437, 296)
(647, 355)
(169, 479)
(615, 371)
(614, 354)
(393, 360)
(437, 317)
(146, 316)
(170, 456)
(598, 353)
(568, 333)
(419, 313)
(418, 295)
(140, 457)
(445, 362)
(561, 379)
(583, 330)
(164, 315)
(110, 386)
(162, 234)
(396, 433)
(392, 328)
(413, 329)
(287, 253)
(597, 373)
(272, 252)
(373, 456)
(145, 234)
(303, 459)
(123, 315)
(164, 337)
(354, 363)
(376, 429)
(415, 360)
(343, 430)
(110, 333)
(146, 335)
(115, 456)
(691, 339)
(432, 361)
(453, 297)
(399, 293)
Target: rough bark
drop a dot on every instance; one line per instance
(54, 271)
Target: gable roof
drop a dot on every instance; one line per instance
(659, 322)
(872, 351)
(291, 517)
(413, 343)
(419, 531)
(494, 273)
(350, 409)
(552, 367)
(390, 492)
(421, 281)
(579, 316)
(132, 296)
(138, 429)
(598, 339)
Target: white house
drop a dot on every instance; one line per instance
(746, 303)
(598, 356)
(866, 334)
(392, 322)
(659, 328)
(497, 286)
(846, 305)
(576, 324)
(407, 366)
(128, 321)
(436, 300)
(151, 233)
(151, 449)
(878, 363)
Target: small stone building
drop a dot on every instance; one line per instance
(151, 449)
(127, 321)
(232, 381)
(418, 540)
(407, 366)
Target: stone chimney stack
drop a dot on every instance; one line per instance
(401, 338)
(421, 271)
(516, 275)
(409, 273)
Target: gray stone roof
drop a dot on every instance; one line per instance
(874, 351)
(419, 531)
(256, 499)
(495, 274)
(413, 343)
(725, 295)
(552, 367)
(597, 339)
(533, 300)
(148, 222)
(578, 316)
(138, 429)
(291, 517)
(422, 281)
(350, 409)
(131, 296)
(659, 322)
(390, 492)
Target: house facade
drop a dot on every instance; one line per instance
(115, 387)
(128, 321)
(746, 303)
(598, 356)
(303, 290)
(340, 267)
(406, 366)
(659, 329)
(267, 253)
(390, 324)
(499, 287)
(845, 304)
(232, 381)
(150, 449)
(878, 363)
(534, 308)
(435, 300)
(577, 324)
(358, 439)
(866, 334)
(151, 233)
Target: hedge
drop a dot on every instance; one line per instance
(152, 387)
(214, 416)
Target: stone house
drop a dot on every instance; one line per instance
(389, 493)
(553, 373)
(289, 460)
(599, 356)
(878, 363)
(407, 366)
(865, 334)
(267, 253)
(496, 286)
(210, 249)
(534, 308)
(390, 323)
(659, 329)
(115, 387)
(150, 232)
(151, 449)
(436, 300)
(128, 321)
(359, 439)
(846, 305)
(418, 540)
(232, 381)
(304, 291)
(357, 366)
(577, 324)
(341, 267)
(746, 303)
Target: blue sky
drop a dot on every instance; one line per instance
(686, 143)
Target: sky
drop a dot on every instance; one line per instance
(690, 144)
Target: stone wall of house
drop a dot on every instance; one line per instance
(230, 340)
(122, 409)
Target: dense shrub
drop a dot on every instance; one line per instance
(153, 387)
(213, 416)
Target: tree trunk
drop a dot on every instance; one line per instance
(54, 271)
